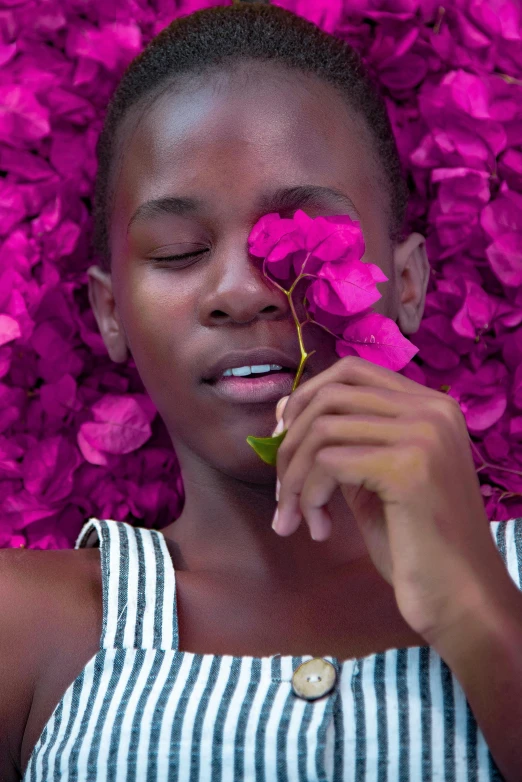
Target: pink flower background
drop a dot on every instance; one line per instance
(79, 436)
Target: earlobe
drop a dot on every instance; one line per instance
(412, 269)
(103, 304)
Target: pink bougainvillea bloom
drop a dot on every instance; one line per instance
(482, 396)
(268, 239)
(329, 251)
(503, 448)
(451, 76)
(503, 214)
(438, 342)
(517, 387)
(405, 72)
(59, 399)
(392, 41)
(326, 14)
(122, 424)
(465, 189)
(25, 165)
(22, 117)
(48, 468)
(477, 310)
(10, 453)
(266, 233)
(114, 43)
(12, 206)
(469, 93)
(287, 243)
(9, 329)
(505, 257)
(347, 287)
(89, 452)
(377, 339)
(502, 18)
(5, 360)
(510, 168)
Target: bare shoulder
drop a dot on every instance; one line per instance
(50, 619)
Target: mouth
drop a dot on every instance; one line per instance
(254, 388)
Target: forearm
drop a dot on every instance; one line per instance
(485, 655)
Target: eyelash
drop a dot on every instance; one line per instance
(179, 257)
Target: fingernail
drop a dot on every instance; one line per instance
(281, 406)
(278, 486)
(275, 520)
(279, 428)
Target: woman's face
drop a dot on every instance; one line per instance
(233, 143)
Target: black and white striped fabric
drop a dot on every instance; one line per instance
(142, 711)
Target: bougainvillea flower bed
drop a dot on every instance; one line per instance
(79, 436)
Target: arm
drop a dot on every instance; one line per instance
(15, 666)
(400, 452)
(485, 654)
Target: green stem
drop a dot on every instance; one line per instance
(311, 320)
(304, 354)
(301, 274)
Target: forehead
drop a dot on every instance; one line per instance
(239, 132)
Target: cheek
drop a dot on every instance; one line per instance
(155, 317)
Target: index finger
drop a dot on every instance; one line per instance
(354, 371)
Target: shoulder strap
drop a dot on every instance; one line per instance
(138, 585)
(507, 536)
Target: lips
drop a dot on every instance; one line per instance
(256, 356)
(252, 389)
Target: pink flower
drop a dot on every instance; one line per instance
(501, 220)
(122, 424)
(451, 75)
(482, 395)
(462, 192)
(22, 117)
(48, 469)
(9, 329)
(385, 345)
(114, 44)
(59, 399)
(347, 287)
(505, 257)
(502, 447)
(287, 242)
(326, 14)
(328, 250)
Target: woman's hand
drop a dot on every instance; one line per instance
(400, 453)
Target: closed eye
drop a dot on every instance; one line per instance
(179, 257)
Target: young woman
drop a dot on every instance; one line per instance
(375, 632)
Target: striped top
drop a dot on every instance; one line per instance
(142, 711)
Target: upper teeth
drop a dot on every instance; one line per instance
(239, 371)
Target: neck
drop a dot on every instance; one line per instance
(225, 529)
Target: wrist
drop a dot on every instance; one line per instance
(489, 615)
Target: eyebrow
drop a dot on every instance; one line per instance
(279, 200)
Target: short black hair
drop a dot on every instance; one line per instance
(221, 36)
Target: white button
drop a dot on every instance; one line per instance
(313, 679)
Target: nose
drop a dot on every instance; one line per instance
(237, 291)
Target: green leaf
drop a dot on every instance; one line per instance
(267, 447)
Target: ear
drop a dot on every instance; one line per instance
(106, 313)
(412, 274)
